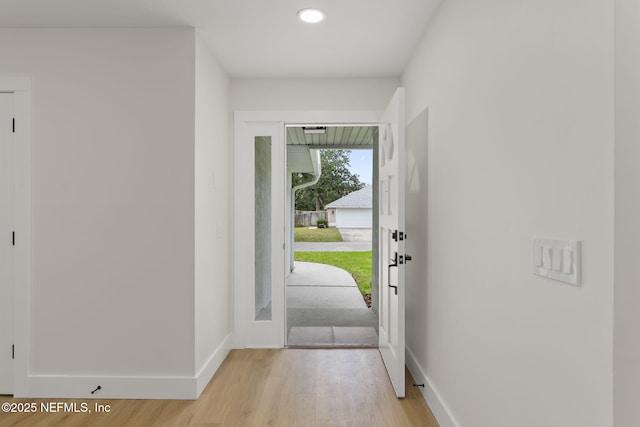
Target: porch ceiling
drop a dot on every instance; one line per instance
(335, 137)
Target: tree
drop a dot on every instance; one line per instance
(336, 181)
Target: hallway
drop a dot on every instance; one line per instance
(260, 387)
(138, 253)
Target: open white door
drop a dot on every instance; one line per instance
(6, 243)
(392, 258)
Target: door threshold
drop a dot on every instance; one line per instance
(330, 347)
(332, 336)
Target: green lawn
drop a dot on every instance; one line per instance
(358, 264)
(306, 234)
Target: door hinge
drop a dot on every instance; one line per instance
(13, 351)
(14, 125)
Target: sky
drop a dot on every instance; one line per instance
(361, 164)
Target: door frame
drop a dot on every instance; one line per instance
(21, 88)
(243, 121)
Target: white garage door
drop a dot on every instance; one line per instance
(353, 218)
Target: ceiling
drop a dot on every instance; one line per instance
(259, 38)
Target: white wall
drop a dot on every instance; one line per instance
(115, 188)
(112, 198)
(311, 94)
(331, 217)
(627, 233)
(213, 204)
(353, 218)
(520, 144)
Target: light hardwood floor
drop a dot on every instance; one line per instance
(317, 388)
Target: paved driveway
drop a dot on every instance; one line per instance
(356, 234)
(355, 240)
(332, 246)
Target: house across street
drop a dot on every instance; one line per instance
(353, 210)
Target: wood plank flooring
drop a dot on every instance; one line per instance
(284, 387)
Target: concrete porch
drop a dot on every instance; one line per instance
(326, 309)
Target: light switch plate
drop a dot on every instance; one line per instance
(557, 259)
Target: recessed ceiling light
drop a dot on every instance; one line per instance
(311, 16)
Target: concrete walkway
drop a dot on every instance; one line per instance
(325, 308)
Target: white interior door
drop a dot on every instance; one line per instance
(392, 258)
(6, 243)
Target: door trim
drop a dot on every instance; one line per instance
(242, 121)
(21, 88)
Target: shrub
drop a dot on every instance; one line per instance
(322, 223)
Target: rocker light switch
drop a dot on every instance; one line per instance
(537, 256)
(557, 259)
(566, 261)
(546, 257)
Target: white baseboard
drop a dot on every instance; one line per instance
(429, 393)
(209, 369)
(80, 387)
